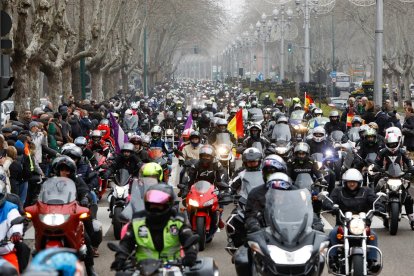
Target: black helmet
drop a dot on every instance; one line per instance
(169, 115)
(63, 161)
(206, 116)
(194, 111)
(159, 200)
(252, 155)
(194, 134)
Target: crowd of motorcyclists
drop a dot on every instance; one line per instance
(340, 163)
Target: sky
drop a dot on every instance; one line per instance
(233, 7)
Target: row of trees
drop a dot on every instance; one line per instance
(52, 36)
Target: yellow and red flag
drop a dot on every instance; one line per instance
(235, 126)
(308, 101)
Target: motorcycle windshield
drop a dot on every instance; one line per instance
(297, 115)
(258, 146)
(394, 170)
(250, 180)
(138, 190)
(179, 115)
(336, 136)
(304, 181)
(289, 214)
(202, 186)
(281, 132)
(255, 114)
(353, 134)
(155, 153)
(57, 191)
(318, 121)
(223, 138)
(123, 177)
(371, 157)
(317, 157)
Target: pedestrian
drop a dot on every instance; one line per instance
(369, 115)
(26, 119)
(19, 172)
(408, 130)
(381, 118)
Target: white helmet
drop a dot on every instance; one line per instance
(318, 134)
(134, 105)
(394, 130)
(392, 142)
(128, 112)
(352, 175)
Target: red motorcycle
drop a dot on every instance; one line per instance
(203, 210)
(57, 217)
(102, 167)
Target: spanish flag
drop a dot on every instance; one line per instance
(235, 126)
(308, 101)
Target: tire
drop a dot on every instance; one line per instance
(394, 212)
(201, 231)
(357, 265)
(116, 222)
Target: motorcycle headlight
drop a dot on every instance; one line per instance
(193, 202)
(328, 153)
(300, 256)
(319, 165)
(121, 192)
(357, 226)
(208, 203)
(54, 219)
(394, 184)
(296, 127)
(281, 150)
(222, 151)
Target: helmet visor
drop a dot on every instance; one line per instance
(157, 197)
(392, 145)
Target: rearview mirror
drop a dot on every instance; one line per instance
(17, 220)
(381, 194)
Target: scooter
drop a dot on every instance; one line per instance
(57, 217)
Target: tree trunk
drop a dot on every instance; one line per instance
(399, 94)
(66, 82)
(54, 81)
(34, 86)
(76, 82)
(96, 85)
(124, 76)
(20, 85)
(407, 92)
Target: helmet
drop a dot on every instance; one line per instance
(128, 113)
(242, 104)
(233, 110)
(252, 155)
(106, 131)
(81, 141)
(104, 122)
(301, 148)
(282, 120)
(169, 132)
(195, 111)
(363, 129)
(318, 134)
(135, 140)
(73, 152)
(279, 98)
(146, 139)
(156, 132)
(68, 146)
(371, 136)
(169, 115)
(221, 124)
(152, 170)
(96, 135)
(255, 129)
(392, 142)
(56, 261)
(356, 120)
(253, 104)
(318, 112)
(273, 163)
(279, 181)
(159, 199)
(206, 154)
(395, 130)
(3, 192)
(220, 115)
(295, 100)
(116, 115)
(186, 133)
(297, 107)
(206, 116)
(134, 106)
(194, 134)
(267, 110)
(127, 147)
(63, 161)
(352, 175)
(334, 113)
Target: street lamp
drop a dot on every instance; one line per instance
(263, 32)
(283, 23)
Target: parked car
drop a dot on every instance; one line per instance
(338, 103)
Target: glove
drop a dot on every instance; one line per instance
(189, 259)
(15, 238)
(324, 182)
(84, 202)
(335, 209)
(181, 162)
(118, 264)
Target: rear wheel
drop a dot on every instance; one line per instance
(117, 223)
(394, 217)
(357, 265)
(201, 231)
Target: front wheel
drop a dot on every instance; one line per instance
(117, 223)
(201, 231)
(394, 217)
(357, 265)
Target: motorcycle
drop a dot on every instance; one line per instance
(153, 267)
(235, 230)
(57, 217)
(8, 266)
(101, 168)
(288, 246)
(157, 155)
(223, 147)
(395, 183)
(353, 233)
(202, 204)
(283, 148)
(117, 200)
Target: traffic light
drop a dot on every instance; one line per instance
(6, 89)
(6, 24)
(254, 57)
(290, 47)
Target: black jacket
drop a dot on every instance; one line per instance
(308, 166)
(132, 164)
(331, 127)
(408, 131)
(381, 118)
(383, 159)
(215, 173)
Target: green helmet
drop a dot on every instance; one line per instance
(152, 170)
(296, 100)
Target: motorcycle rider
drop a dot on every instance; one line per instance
(352, 197)
(334, 123)
(280, 104)
(169, 121)
(267, 102)
(209, 107)
(126, 160)
(370, 144)
(385, 157)
(156, 141)
(221, 128)
(9, 211)
(295, 101)
(96, 143)
(255, 130)
(192, 149)
(157, 232)
(252, 159)
(139, 149)
(87, 154)
(64, 166)
(130, 122)
(195, 115)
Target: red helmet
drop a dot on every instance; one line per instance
(106, 131)
(186, 133)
